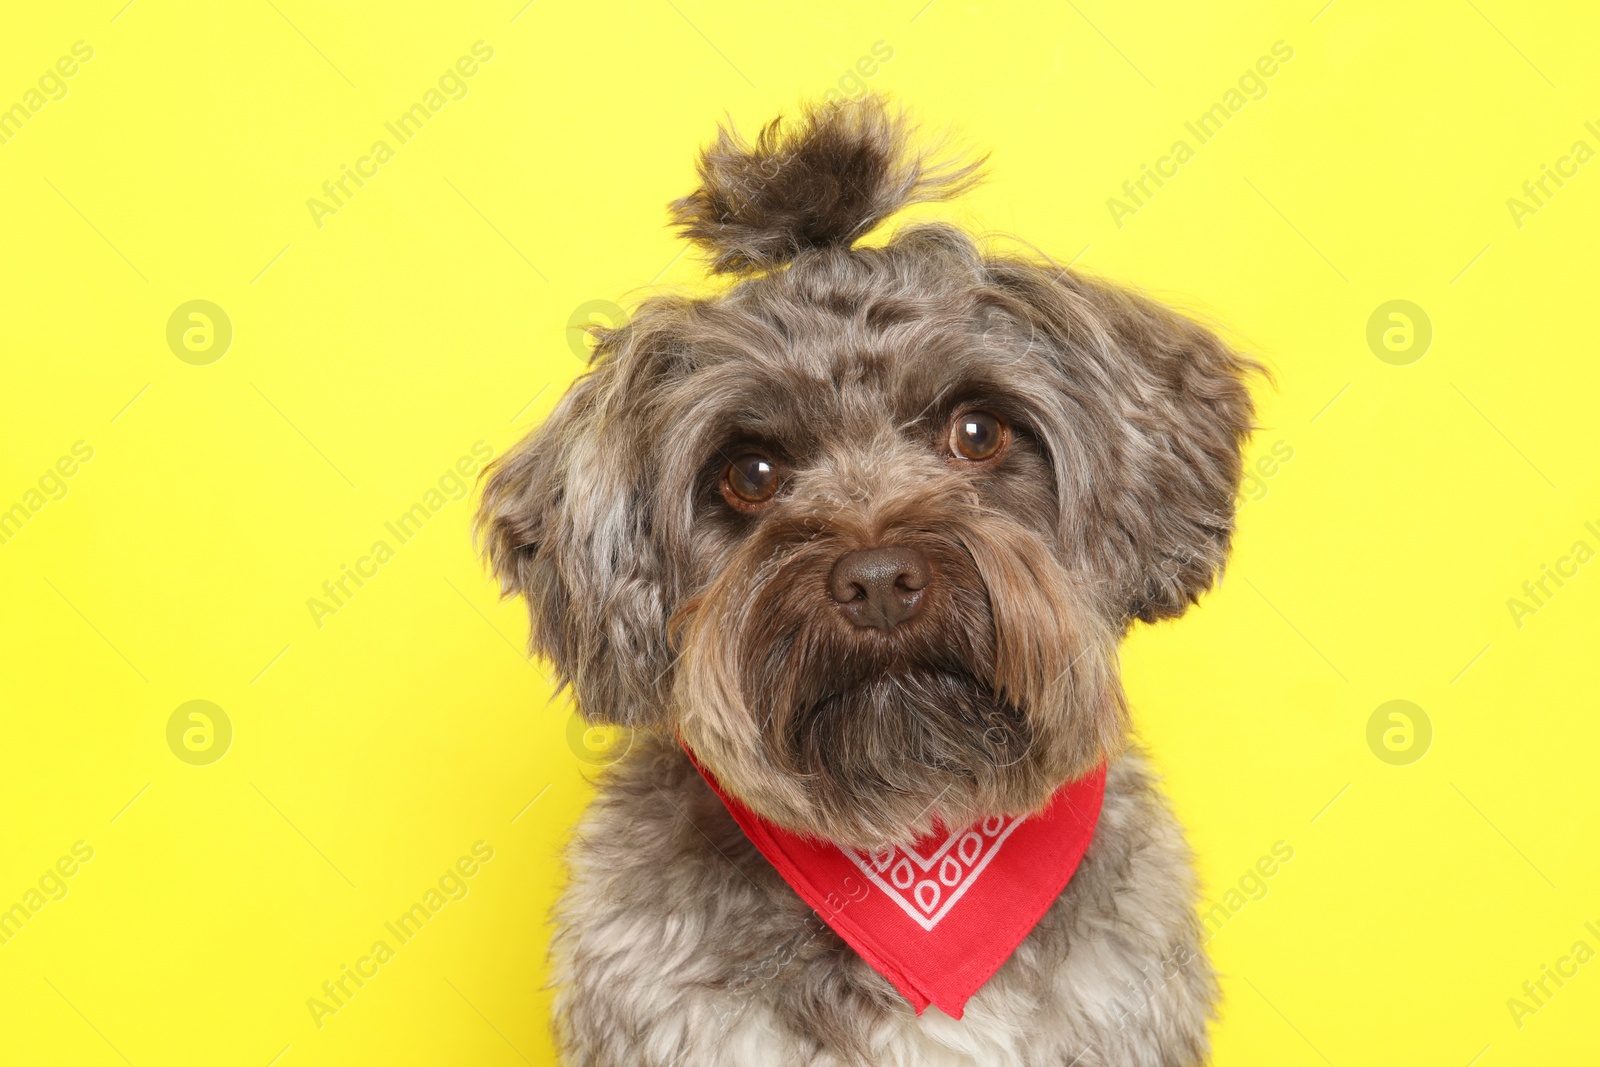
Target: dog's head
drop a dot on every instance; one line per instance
(866, 528)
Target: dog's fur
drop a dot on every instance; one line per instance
(675, 614)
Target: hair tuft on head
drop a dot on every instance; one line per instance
(826, 180)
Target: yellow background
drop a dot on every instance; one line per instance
(431, 312)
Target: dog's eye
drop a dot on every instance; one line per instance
(749, 479)
(977, 435)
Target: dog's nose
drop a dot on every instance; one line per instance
(880, 587)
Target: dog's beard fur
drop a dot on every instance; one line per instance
(1003, 687)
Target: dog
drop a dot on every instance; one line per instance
(849, 547)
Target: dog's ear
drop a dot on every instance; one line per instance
(826, 180)
(1160, 411)
(564, 522)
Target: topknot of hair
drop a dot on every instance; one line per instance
(825, 180)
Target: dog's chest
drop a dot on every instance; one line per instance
(678, 944)
(934, 1040)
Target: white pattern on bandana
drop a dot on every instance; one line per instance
(960, 859)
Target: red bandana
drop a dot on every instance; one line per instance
(939, 918)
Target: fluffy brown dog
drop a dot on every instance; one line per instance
(864, 531)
